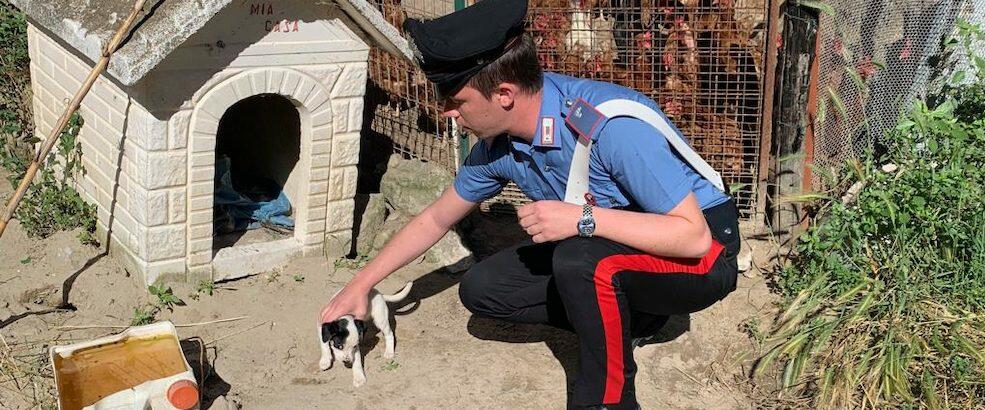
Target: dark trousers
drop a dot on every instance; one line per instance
(607, 293)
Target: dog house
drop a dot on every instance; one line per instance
(265, 96)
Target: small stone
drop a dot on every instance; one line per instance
(745, 260)
(890, 167)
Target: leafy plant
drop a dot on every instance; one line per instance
(390, 366)
(206, 287)
(51, 203)
(165, 297)
(15, 79)
(885, 301)
(298, 277)
(144, 315)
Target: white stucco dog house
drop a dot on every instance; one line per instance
(279, 83)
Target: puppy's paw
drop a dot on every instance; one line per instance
(388, 355)
(325, 363)
(358, 381)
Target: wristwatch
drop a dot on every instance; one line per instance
(586, 225)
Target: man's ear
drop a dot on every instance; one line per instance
(505, 95)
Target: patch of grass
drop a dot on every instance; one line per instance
(390, 366)
(885, 300)
(355, 263)
(298, 277)
(752, 327)
(143, 315)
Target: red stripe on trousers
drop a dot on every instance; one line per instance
(612, 321)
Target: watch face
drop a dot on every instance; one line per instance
(586, 226)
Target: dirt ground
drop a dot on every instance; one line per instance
(445, 357)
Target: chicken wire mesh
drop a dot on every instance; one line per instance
(875, 58)
(701, 60)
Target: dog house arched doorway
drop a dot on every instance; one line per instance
(273, 123)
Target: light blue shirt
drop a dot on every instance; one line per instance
(631, 164)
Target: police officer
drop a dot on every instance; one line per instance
(627, 225)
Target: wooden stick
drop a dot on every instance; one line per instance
(83, 327)
(237, 333)
(73, 106)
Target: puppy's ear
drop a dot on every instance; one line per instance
(360, 327)
(326, 332)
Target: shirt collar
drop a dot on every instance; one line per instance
(549, 123)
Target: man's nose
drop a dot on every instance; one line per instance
(450, 113)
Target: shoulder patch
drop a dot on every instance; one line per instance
(547, 131)
(584, 120)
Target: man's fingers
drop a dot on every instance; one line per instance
(524, 211)
(529, 221)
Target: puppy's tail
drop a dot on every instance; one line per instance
(396, 297)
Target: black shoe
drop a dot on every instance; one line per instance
(643, 341)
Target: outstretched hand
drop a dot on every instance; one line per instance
(349, 301)
(548, 221)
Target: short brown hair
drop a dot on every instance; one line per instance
(518, 65)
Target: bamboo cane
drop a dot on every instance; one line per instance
(52, 138)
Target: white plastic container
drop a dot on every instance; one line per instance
(141, 368)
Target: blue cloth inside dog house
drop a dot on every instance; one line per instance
(237, 212)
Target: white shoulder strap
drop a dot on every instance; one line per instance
(577, 185)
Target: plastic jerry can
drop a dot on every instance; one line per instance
(140, 368)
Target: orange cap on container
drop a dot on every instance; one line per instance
(183, 394)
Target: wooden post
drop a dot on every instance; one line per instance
(766, 128)
(808, 182)
(790, 116)
(52, 138)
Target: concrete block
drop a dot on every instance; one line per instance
(342, 183)
(200, 258)
(352, 82)
(146, 131)
(321, 147)
(165, 169)
(340, 215)
(166, 242)
(240, 261)
(149, 208)
(345, 150)
(169, 271)
(176, 205)
(337, 245)
(340, 115)
(355, 112)
(178, 129)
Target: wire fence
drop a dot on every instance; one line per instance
(701, 60)
(875, 59)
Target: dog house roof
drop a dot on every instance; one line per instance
(88, 25)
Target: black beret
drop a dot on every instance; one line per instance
(453, 48)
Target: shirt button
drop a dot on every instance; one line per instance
(547, 168)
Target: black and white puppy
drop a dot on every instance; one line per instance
(340, 338)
